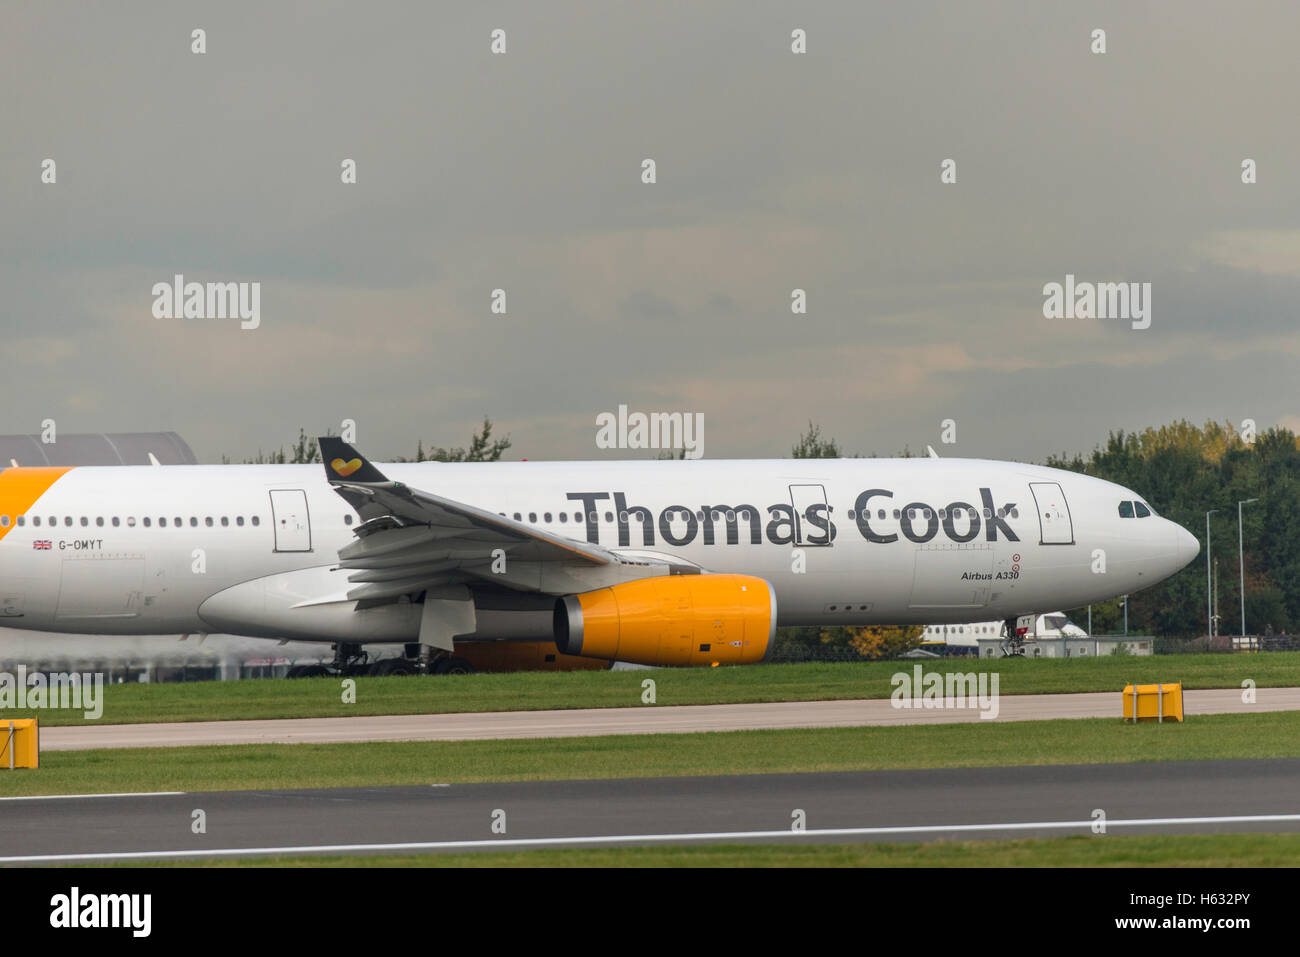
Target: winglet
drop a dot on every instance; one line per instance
(343, 463)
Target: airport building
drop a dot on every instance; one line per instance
(1053, 636)
(1071, 646)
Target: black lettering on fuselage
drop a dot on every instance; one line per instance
(731, 514)
(995, 519)
(819, 517)
(782, 515)
(666, 528)
(589, 515)
(919, 510)
(623, 511)
(917, 521)
(863, 514)
(949, 523)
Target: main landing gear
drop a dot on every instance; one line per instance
(351, 660)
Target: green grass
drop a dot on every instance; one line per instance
(322, 697)
(1186, 850)
(1085, 741)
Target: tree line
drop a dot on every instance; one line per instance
(1184, 471)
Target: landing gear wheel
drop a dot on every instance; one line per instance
(313, 671)
(393, 666)
(453, 666)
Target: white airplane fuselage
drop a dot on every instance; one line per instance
(139, 550)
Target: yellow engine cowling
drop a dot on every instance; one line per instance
(672, 620)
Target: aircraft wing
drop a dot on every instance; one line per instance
(410, 540)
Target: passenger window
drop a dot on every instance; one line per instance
(130, 521)
(347, 519)
(22, 520)
(1125, 509)
(224, 521)
(256, 520)
(147, 522)
(193, 521)
(100, 521)
(67, 521)
(548, 516)
(239, 520)
(178, 521)
(36, 520)
(4, 521)
(208, 521)
(532, 516)
(116, 521)
(564, 517)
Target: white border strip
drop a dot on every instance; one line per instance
(643, 838)
(69, 797)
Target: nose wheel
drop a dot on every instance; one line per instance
(1013, 642)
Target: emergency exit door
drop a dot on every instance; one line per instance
(1054, 522)
(292, 523)
(812, 517)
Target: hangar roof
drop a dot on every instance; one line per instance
(96, 448)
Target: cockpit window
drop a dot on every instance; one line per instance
(1125, 509)
(1142, 510)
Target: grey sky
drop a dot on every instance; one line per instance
(775, 171)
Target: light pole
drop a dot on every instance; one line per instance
(1209, 608)
(1241, 560)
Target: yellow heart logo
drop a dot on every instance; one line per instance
(345, 468)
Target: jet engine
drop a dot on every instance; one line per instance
(672, 620)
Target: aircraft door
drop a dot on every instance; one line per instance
(952, 576)
(292, 523)
(812, 516)
(1055, 526)
(102, 586)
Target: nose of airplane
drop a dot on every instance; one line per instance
(1189, 546)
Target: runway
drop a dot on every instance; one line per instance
(948, 803)
(648, 719)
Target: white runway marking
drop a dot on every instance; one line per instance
(65, 797)
(649, 838)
